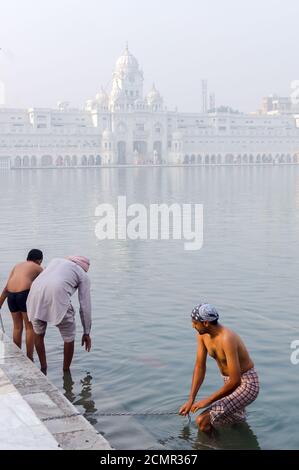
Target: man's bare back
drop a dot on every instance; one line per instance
(215, 347)
(16, 292)
(22, 276)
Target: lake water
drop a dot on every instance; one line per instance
(143, 292)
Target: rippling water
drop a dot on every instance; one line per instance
(143, 291)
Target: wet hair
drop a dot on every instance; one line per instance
(35, 255)
(214, 322)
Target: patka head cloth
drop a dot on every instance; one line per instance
(204, 312)
(83, 262)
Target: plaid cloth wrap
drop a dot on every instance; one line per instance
(230, 409)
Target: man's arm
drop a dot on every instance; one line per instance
(4, 294)
(199, 373)
(85, 304)
(230, 347)
(38, 271)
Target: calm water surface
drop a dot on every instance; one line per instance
(143, 291)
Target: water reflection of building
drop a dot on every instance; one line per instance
(124, 126)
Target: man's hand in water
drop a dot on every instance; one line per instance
(86, 340)
(199, 405)
(185, 409)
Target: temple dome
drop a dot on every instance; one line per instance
(126, 62)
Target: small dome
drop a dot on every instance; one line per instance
(154, 97)
(90, 105)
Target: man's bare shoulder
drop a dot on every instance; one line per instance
(29, 267)
(20, 266)
(201, 340)
(36, 268)
(229, 338)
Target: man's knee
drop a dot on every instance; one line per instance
(204, 423)
(28, 326)
(39, 338)
(18, 328)
(39, 328)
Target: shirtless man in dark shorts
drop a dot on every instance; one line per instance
(16, 291)
(241, 383)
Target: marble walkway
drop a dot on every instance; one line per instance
(34, 415)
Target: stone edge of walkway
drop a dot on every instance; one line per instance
(63, 421)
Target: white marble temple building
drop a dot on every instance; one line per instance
(124, 126)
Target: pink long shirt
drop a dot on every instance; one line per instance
(50, 294)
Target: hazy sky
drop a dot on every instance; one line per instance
(65, 49)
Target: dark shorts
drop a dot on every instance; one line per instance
(17, 301)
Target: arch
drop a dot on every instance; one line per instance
(219, 159)
(26, 161)
(258, 158)
(289, 159)
(251, 159)
(121, 152)
(245, 158)
(84, 160)
(199, 159)
(192, 159)
(98, 160)
(213, 159)
(239, 159)
(207, 159)
(295, 158)
(33, 161)
(46, 160)
(91, 160)
(186, 160)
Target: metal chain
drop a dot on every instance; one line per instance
(144, 413)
